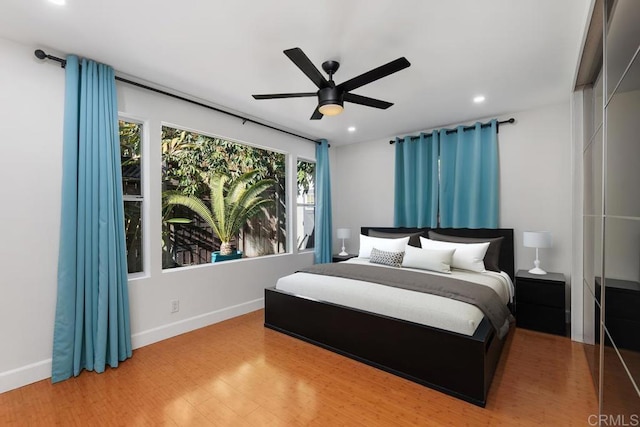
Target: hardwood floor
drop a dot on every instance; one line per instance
(239, 373)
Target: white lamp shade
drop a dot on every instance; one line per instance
(343, 233)
(537, 239)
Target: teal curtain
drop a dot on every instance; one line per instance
(416, 181)
(91, 327)
(323, 242)
(469, 190)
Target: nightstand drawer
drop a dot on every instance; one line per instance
(549, 294)
(623, 303)
(540, 318)
(624, 332)
(622, 317)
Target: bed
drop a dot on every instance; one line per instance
(461, 364)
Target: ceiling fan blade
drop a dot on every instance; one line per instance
(369, 102)
(317, 115)
(304, 63)
(285, 95)
(375, 74)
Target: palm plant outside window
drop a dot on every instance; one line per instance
(191, 163)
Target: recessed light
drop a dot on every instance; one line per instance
(351, 128)
(478, 99)
(58, 2)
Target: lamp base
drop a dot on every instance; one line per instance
(343, 253)
(537, 270)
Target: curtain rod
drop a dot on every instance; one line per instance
(449, 132)
(40, 54)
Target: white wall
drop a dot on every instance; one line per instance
(32, 95)
(31, 107)
(362, 188)
(535, 189)
(536, 182)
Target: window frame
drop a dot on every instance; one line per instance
(287, 223)
(297, 205)
(142, 197)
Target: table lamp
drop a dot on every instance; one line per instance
(343, 233)
(537, 239)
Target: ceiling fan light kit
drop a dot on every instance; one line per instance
(330, 101)
(331, 97)
(330, 109)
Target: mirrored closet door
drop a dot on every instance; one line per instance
(611, 215)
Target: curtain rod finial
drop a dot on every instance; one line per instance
(42, 55)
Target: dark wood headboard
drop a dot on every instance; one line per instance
(507, 258)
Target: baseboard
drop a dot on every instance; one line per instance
(164, 332)
(25, 375)
(38, 371)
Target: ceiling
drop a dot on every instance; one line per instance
(518, 54)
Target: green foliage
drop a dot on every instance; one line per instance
(189, 161)
(232, 203)
(189, 158)
(130, 142)
(306, 175)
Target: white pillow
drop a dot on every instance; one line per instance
(468, 256)
(428, 259)
(390, 245)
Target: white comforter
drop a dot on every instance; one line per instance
(417, 307)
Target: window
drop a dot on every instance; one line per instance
(306, 204)
(130, 155)
(189, 161)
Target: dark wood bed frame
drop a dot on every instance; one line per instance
(459, 365)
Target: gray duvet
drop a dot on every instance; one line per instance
(480, 296)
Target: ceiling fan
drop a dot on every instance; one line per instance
(331, 96)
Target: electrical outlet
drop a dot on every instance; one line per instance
(175, 306)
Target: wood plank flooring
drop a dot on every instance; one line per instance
(238, 373)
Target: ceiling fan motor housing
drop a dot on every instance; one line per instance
(330, 95)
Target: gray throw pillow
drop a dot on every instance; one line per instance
(491, 258)
(393, 259)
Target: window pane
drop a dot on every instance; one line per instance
(130, 138)
(189, 162)
(130, 146)
(133, 232)
(306, 174)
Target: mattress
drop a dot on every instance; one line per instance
(417, 307)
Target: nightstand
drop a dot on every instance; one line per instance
(622, 317)
(540, 302)
(338, 258)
